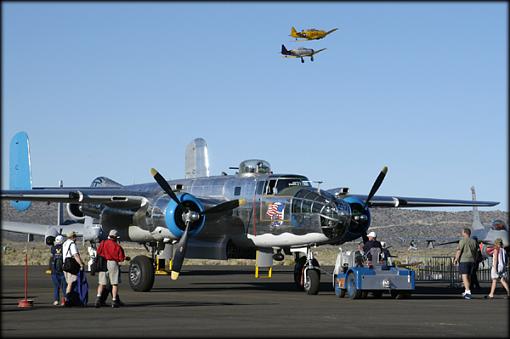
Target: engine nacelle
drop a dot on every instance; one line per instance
(166, 213)
(74, 211)
(360, 215)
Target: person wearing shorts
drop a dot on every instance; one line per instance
(113, 253)
(465, 258)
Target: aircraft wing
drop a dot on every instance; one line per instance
(320, 50)
(113, 197)
(397, 201)
(38, 229)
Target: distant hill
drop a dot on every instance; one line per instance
(399, 223)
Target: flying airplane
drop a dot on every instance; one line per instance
(300, 53)
(310, 34)
(250, 213)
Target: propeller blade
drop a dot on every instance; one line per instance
(225, 206)
(179, 254)
(376, 184)
(164, 185)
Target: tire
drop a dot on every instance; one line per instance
(299, 270)
(313, 282)
(141, 274)
(352, 290)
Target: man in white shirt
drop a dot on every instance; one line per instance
(69, 249)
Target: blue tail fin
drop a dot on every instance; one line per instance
(20, 173)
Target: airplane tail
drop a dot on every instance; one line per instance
(285, 51)
(334, 29)
(293, 33)
(477, 224)
(196, 159)
(20, 172)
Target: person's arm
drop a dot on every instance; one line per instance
(457, 255)
(77, 255)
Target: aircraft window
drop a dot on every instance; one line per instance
(260, 187)
(237, 190)
(270, 187)
(306, 207)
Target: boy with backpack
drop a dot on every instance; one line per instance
(57, 272)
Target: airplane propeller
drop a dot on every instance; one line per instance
(377, 183)
(189, 216)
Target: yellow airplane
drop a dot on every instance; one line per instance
(310, 34)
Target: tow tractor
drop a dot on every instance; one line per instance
(356, 277)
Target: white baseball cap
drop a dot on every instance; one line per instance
(59, 239)
(113, 234)
(372, 234)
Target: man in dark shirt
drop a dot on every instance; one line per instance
(370, 243)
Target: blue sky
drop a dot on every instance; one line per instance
(114, 89)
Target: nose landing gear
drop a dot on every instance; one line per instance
(306, 271)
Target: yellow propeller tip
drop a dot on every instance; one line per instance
(174, 275)
(153, 171)
(242, 202)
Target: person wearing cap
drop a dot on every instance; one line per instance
(69, 249)
(57, 272)
(113, 253)
(371, 242)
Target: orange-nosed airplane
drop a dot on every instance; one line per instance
(310, 34)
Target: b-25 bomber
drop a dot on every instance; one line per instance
(250, 213)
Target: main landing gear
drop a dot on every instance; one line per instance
(307, 272)
(141, 271)
(302, 60)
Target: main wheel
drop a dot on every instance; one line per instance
(312, 282)
(141, 274)
(352, 290)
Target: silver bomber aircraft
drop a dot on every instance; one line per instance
(253, 212)
(300, 53)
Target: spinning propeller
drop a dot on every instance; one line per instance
(189, 216)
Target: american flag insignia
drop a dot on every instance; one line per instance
(275, 211)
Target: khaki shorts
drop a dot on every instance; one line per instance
(70, 278)
(112, 275)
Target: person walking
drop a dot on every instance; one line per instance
(474, 283)
(465, 258)
(113, 253)
(57, 272)
(499, 268)
(70, 250)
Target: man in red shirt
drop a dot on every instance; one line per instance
(113, 253)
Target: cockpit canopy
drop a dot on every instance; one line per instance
(254, 166)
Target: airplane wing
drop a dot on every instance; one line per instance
(320, 50)
(38, 229)
(397, 201)
(113, 197)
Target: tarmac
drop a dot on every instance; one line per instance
(228, 301)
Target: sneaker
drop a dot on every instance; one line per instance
(467, 296)
(55, 303)
(63, 302)
(488, 297)
(115, 304)
(67, 303)
(97, 304)
(464, 293)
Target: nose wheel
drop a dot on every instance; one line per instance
(307, 273)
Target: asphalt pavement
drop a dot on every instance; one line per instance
(228, 301)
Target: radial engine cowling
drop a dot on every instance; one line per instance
(75, 212)
(166, 213)
(360, 215)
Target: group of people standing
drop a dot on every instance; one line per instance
(66, 281)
